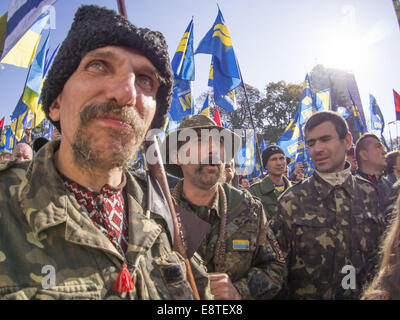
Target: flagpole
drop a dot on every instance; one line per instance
(158, 171)
(19, 107)
(251, 118)
(122, 8)
(390, 135)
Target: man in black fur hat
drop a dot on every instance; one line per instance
(72, 221)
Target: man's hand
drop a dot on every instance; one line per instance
(222, 287)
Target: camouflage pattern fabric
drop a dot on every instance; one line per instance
(42, 226)
(253, 258)
(391, 203)
(265, 190)
(321, 229)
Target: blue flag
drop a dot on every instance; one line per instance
(246, 156)
(377, 121)
(7, 140)
(323, 100)
(258, 167)
(183, 68)
(343, 112)
(360, 124)
(206, 108)
(225, 70)
(306, 107)
(183, 61)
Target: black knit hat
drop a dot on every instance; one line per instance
(95, 27)
(267, 153)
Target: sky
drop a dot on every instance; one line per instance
(273, 41)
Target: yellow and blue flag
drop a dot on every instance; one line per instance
(258, 167)
(323, 100)
(377, 121)
(206, 108)
(306, 106)
(360, 124)
(183, 68)
(25, 24)
(48, 133)
(23, 52)
(246, 157)
(31, 96)
(225, 70)
(343, 112)
(183, 61)
(7, 141)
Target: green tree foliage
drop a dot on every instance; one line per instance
(277, 108)
(271, 113)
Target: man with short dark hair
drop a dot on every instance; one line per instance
(76, 224)
(240, 250)
(244, 183)
(329, 223)
(275, 183)
(370, 154)
(393, 166)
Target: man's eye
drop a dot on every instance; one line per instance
(97, 65)
(145, 82)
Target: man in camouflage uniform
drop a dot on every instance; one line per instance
(239, 249)
(73, 219)
(275, 183)
(328, 221)
(370, 155)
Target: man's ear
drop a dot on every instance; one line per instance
(54, 110)
(348, 140)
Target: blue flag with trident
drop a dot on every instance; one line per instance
(224, 72)
(377, 121)
(184, 73)
(360, 124)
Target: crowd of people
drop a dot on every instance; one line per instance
(77, 223)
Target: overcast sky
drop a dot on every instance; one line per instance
(273, 41)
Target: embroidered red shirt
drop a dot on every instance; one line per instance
(106, 209)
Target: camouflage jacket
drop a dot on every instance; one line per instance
(257, 268)
(321, 229)
(45, 235)
(265, 190)
(391, 202)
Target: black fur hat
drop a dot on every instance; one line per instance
(95, 27)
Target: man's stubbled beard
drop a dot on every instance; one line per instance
(84, 144)
(220, 178)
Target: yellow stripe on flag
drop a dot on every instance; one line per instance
(22, 54)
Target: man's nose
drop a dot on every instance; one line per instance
(122, 90)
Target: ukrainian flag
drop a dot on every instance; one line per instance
(206, 108)
(25, 22)
(23, 52)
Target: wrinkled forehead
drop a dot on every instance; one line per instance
(120, 54)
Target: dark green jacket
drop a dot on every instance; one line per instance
(257, 271)
(265, 190)
(43, 228)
